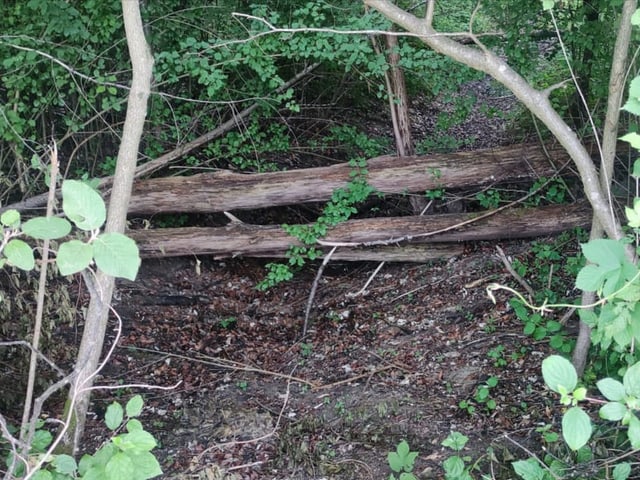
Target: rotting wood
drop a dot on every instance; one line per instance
(241, 239)
(227, 191)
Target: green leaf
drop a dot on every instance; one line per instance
(74, 256)
(635, 18)
(146, 465)
(114, 416)
(134, 406)
(10, 218)
(612, 389)
(631, 380)
(65, 464)
(634, 432)
(455, 441)
(621, 471)
(42, 475)
(633, 214)
(120, 467)
(636, 168)
(614, 411)
(548, 4)
(453, 467)
(44, 228)
(83, 205)
(605, 252)
(41, 440)
(19, 254)
(134, 424)
(558, 372)
(590, 278)
(138, 440)
(576, 428)
(529, 469)
(632, 137)
(117, 255)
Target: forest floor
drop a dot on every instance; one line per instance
(257, 400)
(402, 359)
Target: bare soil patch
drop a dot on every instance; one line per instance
(258, 401)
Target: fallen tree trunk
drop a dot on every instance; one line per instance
(227, 191)
(411, 233)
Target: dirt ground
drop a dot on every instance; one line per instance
(256, 400)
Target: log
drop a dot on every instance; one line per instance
(226, 191)
(412, 233)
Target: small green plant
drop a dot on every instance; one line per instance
(242, 385)
(497, 355)
(489, 199)
(481, 397)
(402, 462)
(228, 322)
(455, 467)
(127, 454)
(306, 349)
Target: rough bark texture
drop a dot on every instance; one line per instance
(225, 190)
(241, 239)
(97, 314)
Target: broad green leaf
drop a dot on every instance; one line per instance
(576, 428)
(138, 440)
(590, 278)
(19, 254)
(116, 255)
(634, 432)
(621, 471)
(10, 218)
(42, 475)
(455, 441)
(632, 105)
(114, 416)
(614, 411)
(41, 440)
(529, 469)
(548, 4)
(631, 380)
(120, 467)
(454, 466)
(44, 228)
(636, 169)
(633, 138)
(612, 389)
(634, 88)
(74, 256)
(83, 205)
(633, 214)
(134, 424)
(605, 252)
(65, 464)
(635, 18)
(134, 406)
(145, 464)
(558, 372)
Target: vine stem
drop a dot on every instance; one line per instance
(545, 307)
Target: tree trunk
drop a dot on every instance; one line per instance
(97, 315)
(241, 239)
(226, 191)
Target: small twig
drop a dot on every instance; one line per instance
(263, 437)
(313, 290)
(515, 274)
(368, 282)
(24, 343)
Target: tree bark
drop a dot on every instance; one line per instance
(97, 315)
(481, 59)
(241, 239)
(609, 141)
(226, 191)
